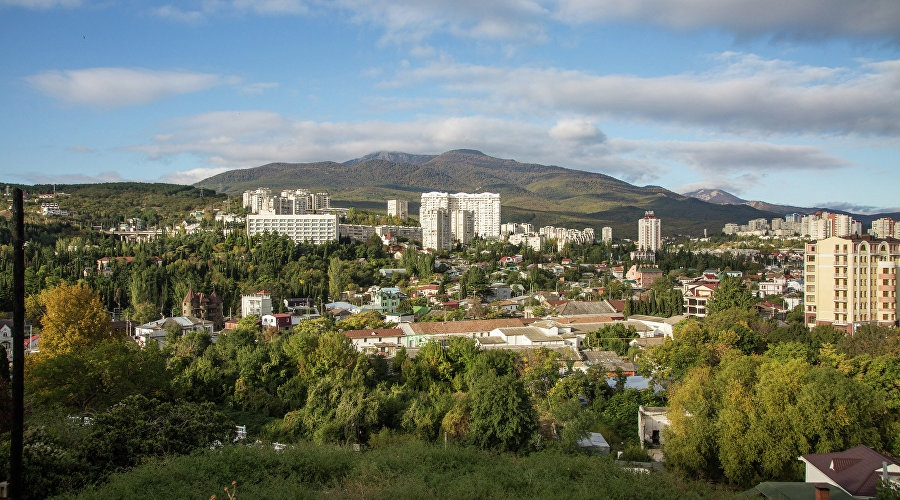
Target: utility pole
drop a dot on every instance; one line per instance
(18, 341)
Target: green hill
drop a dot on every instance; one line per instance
(540, 194)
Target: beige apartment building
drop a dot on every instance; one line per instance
(851, 281)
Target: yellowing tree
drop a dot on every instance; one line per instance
(74, 318)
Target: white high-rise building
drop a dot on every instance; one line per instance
(485, 208)
(398, 208)
(436, 233)
(883, 227)
(257, 199)
(606, 234)
(649, 232)
(462, 225)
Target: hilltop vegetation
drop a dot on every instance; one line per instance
(108, 204)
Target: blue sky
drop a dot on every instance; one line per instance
(792, 102)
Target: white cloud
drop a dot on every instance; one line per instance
(578, 130)
(258, 88)
(857, 208)
(173, 13)
(40, 178)
(40, 4)
(118, 87)
(82, 149)
(742, 94)
(191, 176)
(252, 138)
(271, 6)
(717, 157)
(798, 19)
(413, 20)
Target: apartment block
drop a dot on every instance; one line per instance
(649, 232)
(436, 233)
(850, 281)
(398, 208)
(606, 234)
(485, 208)
(309, 228)
(883, 228)
(288, 202)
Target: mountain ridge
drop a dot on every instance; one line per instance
(530, 192)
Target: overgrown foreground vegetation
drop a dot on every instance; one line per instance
(391, 469)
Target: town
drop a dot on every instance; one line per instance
(323, 324)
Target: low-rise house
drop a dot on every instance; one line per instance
(383, 341)
(157, 330)
(508, 306)
(572, 308)
(695, 296)
(386, 300)
(644, 276)
(339, 313)
(856, 471)
(282, 321)
(771, 310)
(658, 326)
(257, 304)
(420, 333)
(428, 291)
(531, 336)
(776, 286)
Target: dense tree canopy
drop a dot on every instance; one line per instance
(74, 318)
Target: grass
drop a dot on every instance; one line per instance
(395, 467)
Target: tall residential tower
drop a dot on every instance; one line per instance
(649, 232)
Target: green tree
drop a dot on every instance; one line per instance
(502, 416)
(731, 293)
(90, 380)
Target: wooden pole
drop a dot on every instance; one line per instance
(18, 346)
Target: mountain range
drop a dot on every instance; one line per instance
(539, 194)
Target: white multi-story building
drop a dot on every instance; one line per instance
(436, 233)
(823, 225)
(485, 208)
(606, 234)
(257, 200)
(884, 227)
(257, 304)
(649, 232)
(398, 208)
(462, 225)
(288, 202)
(534, 241)
(309, 228)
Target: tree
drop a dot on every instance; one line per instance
(89, 380)
(502, 416)
(74, 318)
(731, 293)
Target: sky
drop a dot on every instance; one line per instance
(792, 102)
